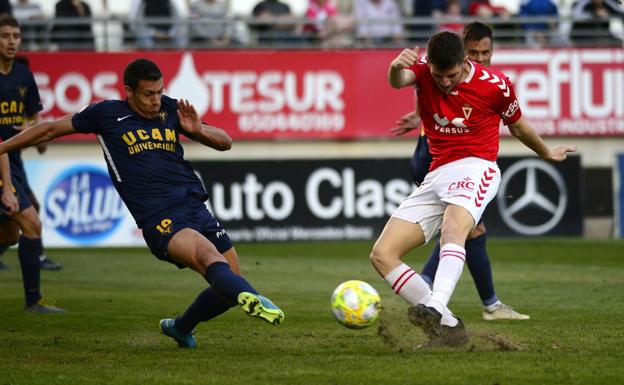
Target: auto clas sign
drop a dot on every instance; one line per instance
(336, 94)
(269, 200)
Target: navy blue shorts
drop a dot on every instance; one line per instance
(421, 160)
(193, 214)
(22, 198)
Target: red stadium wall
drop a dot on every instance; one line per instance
(336, 94)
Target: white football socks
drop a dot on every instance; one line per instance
(411, 287)
(408, 285)
(452, 257)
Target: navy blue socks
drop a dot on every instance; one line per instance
(480, 269)
(227, 284)
(28, 251)
(207, 305)
(430, 268)
(215, 300)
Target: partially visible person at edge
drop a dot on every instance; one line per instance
(20, 100)
(478, 44)
(461, 109)
(46, 263)
(140, 139)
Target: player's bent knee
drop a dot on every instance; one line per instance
(454, 233)
(381, 258)
(205, 257)
(33, 230)
(29, 223)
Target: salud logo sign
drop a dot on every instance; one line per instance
(83, 206)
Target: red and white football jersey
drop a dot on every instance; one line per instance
(465, 122)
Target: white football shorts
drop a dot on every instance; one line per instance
(470, 183)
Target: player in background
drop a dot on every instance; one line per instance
(19, 101)
(478, 44)
(461, 111)
(46, 262)
(9, 205)
(140, 139)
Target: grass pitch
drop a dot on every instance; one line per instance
(115, 298)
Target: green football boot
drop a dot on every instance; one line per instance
(256, 305)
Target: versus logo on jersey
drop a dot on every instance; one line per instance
(455, 126)
(82, 205)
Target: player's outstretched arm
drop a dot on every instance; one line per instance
(207, 135)
(407, 123)
(39, 133)
(30, 122)
(398, 75)
(525, 132)
(9, 200)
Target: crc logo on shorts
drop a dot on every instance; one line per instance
(532, 197)
(464, 184)
(83, 205)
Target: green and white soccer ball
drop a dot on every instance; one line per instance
(356, 304)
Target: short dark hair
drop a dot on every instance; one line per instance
(476, 31)
(9, 20)
(445, 50)
(140, 69)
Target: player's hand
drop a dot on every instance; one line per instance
(189, 118)
(560, 152)
(9, 200)
(405, 58)
(407, 123)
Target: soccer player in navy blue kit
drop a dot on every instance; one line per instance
(19, 103)
(140, 139)
(16, 158)
(478, 44)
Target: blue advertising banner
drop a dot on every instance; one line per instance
(79, 205)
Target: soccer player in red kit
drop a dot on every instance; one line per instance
(461, 104)
(478, 44)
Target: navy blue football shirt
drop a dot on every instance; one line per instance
(19, 99)
(144, 156)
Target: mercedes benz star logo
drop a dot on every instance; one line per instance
(511, 207)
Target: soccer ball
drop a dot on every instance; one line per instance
(356, 304)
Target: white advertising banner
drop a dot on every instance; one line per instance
(80, 206)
